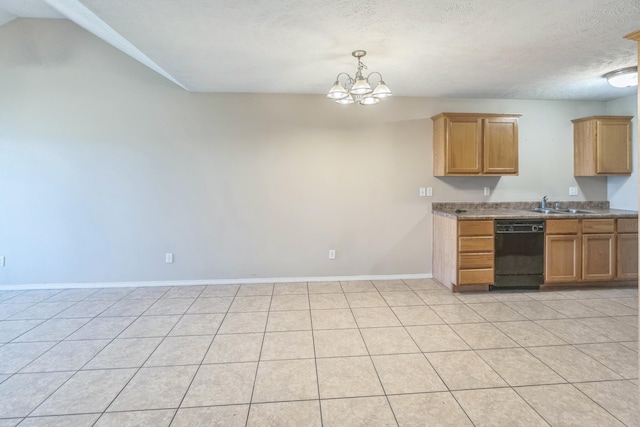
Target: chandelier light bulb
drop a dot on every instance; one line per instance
(381, 91)
(369, 100)
(337, 91)
(361, 87)
(346, 100)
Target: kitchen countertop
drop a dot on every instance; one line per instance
(518, 210)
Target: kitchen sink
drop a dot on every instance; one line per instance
(574, 211)
(558, 211)
(545, 211)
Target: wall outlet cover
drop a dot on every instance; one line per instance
(429, 191)
(423, 191)
(573, 191)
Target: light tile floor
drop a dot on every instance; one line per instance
(334, 354)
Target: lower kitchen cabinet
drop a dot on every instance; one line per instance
(576, 251)
(598, 257)
(627, 249)
(598, 249)
(463, 253)
(562, 258)
(475, 253)
(590, 250)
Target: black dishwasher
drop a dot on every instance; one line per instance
(519, 254)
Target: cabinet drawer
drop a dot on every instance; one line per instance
(470, 261)
(476, 244)
(481, 276)
(475, 228)
(627, 225)
(562, 226)
(598, 225)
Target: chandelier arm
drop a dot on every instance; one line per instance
(375, 72)
(344, 74)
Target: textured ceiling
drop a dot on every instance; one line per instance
(543, 49)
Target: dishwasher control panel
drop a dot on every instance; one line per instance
(519, 226)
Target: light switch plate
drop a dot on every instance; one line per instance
(487, 191)
(573, 191)
(168, 258)
(2, 261)
(423, 191)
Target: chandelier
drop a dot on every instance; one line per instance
(347, 89)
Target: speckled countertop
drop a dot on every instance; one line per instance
(519, 210)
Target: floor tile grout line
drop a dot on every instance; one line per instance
(204, 355)
(56, 342)
(139, 368)
(536, 357)
(500, 376)
(570, 384)
(371, 358)
(562, 339)
(255, 376)
(484, 361)
(73, 374)
(315, 356)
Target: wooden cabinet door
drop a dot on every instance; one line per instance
(627, 268)
(613, 147)
(500, 146)
(598, 257)
(562, 258)
(463, 145)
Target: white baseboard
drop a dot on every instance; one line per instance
(212, 282)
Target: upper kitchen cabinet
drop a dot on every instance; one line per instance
(602, 145)
(468, 144)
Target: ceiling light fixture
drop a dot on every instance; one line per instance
(623, 77)
(358, 89)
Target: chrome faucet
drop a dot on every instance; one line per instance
(544, 202)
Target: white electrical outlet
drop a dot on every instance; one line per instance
(487, 191)
(573, 191)
(429, 191)
(168, 258)
(2, 261)
(423, 191)
(332, 254)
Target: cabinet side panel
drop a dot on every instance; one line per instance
(584, 150)
(439, 130)
(444, 250)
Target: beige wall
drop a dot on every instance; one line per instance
(105, 167)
